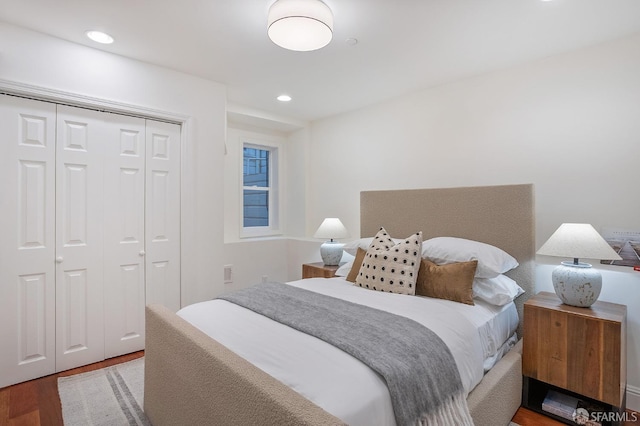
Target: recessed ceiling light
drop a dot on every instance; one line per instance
(284, 98)
(99, 37)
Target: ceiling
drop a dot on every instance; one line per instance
(403, 45)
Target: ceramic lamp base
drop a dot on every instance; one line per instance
(577, 285)
(331, 252)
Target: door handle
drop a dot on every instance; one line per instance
(59, 259)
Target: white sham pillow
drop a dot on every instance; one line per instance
(344, 270)
(492, 261)
(363, 243)
(498, 290)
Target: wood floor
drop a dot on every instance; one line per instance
(36, 402)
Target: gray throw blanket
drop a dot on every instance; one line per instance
(421, 374)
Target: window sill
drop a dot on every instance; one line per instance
(260, 234)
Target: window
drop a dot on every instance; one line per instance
(259, 189)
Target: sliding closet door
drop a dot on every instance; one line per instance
(27, 242)
(124, 251)
(79, 234)
(163, 214)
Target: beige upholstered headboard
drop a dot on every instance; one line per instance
(502, 216)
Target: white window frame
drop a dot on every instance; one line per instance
(274, 208)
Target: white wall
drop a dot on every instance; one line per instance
(35, 59)
(256, 260)
(273, 259)
(297, 184)
(568, 124)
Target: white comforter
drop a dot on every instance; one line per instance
(332, 379)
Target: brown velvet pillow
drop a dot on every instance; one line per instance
(357, 263)
(452, 281)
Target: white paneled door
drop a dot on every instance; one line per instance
(163, 214)
(124, 250)
(89, 233)
(27, 239)
(81, 141)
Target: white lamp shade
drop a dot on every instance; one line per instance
(578, 240)
(331, 228)
(301, 25)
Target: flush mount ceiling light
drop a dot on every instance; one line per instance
(301, 25)
(99, 37)
(284, 98)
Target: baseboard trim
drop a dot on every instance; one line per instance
(633, 398)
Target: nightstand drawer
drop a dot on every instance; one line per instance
(582, 350)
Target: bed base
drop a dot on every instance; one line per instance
(191, 379)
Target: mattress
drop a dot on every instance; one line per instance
(496, 327)
(332, 379)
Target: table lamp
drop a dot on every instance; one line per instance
(577, 283)
(331, 251)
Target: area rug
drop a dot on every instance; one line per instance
(111, 396)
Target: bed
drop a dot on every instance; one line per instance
(191, 378)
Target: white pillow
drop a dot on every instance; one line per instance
(492, 261)
(363, 243)
(344, 270)
(498, 291)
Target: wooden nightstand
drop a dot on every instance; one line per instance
(579, 352)
(318, 270)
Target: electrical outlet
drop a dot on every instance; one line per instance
(228, 274)
(265, 278)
